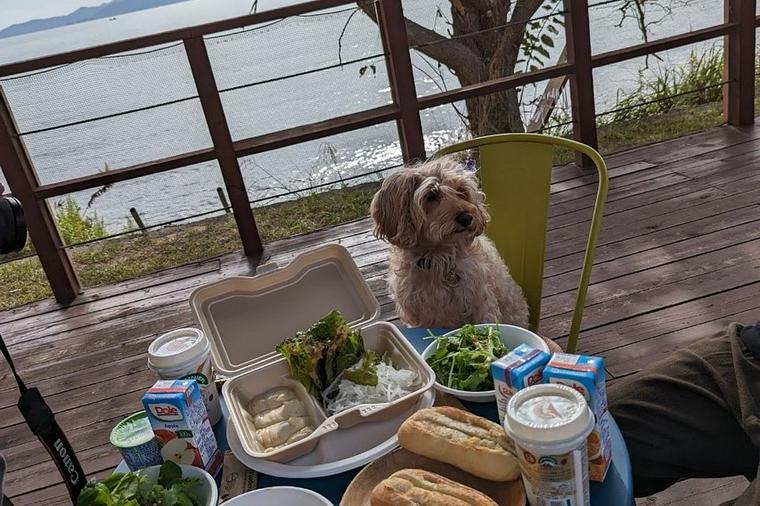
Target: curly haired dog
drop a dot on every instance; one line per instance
(444, 271)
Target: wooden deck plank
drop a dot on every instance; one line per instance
(679, 256)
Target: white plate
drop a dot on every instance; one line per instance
(279, 495)
(511, 335)
(337, 451)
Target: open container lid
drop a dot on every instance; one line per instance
(244, 318)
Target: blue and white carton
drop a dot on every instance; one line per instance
(518, 369)
(586, 375)
(180, 422)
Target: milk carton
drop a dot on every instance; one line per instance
(180, 422)
(520, 368)
(586, 375)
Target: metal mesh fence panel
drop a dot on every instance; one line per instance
(77, 118)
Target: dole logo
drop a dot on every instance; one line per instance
(166, 412)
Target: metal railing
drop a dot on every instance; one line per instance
(738, 29)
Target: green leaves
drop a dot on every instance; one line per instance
(170, 474)
(133, 489)
(463, 361)
(319, 355)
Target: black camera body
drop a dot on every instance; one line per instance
(12, 225)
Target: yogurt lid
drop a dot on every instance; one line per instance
(135, 430)
(548, 414)
(177, 348)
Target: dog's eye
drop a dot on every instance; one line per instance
(432, 196)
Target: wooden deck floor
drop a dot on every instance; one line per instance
(679, 256)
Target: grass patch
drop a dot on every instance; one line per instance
(131, 256)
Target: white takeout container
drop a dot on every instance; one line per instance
(512, 337)
(244, 319)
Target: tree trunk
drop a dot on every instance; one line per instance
(479, 24)
(494, 114)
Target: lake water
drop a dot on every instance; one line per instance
(110, 85)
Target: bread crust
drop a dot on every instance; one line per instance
(469, 442)
(412, 487)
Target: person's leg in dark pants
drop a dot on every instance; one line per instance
(694, 415)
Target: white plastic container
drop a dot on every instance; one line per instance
(245, 318)
(549, 425)
(185, 354)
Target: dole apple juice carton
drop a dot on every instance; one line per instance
(180, 422)
(520, 368)
(586, 375)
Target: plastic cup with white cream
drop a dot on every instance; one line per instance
(549, 425)
(184, 354)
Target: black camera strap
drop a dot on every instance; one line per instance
(41, 421)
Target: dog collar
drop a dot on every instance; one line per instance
(451, 277)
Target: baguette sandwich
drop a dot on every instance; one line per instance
(412, 487)
(469, 442)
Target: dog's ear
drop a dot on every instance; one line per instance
(394, 210)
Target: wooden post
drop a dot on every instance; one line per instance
(739, 64)
(390, 16)
(138, 219)
(211, 103)
(582, 81)
(223, 199)
(17, 167)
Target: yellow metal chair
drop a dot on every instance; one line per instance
(515, 173)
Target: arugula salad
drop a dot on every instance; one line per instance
(463, 360)
(135, 489)
(331, 361)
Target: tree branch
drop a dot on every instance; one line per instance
(455, 55)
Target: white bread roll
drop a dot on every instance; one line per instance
(412, 487)
(459, 438)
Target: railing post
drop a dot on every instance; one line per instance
(18, 170)
(392, 24)
(739, 63)
(211, 102)
(582, 81)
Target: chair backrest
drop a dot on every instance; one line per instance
(515, 173)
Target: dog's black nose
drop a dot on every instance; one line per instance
(464, 219)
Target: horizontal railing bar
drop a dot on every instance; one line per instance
(123, 174)
(244, 147)
(494, 85)
(108, 116)
(318, 130)
(156, 39)
(303, 73)
(655, 46)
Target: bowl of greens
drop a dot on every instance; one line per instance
(165, 485)
(461, 359)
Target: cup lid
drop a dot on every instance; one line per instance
(176, 348)
(134, 430)
(548, 413)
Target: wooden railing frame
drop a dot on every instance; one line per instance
(739, 31)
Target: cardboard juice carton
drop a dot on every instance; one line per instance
(586, 375)
(520, 368)
(180, 422)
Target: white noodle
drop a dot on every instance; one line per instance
(392, 384)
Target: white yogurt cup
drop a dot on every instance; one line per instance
(184, 354)
(549, 425)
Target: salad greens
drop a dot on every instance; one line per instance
(463, 360)
(320, 354)
(135, 489)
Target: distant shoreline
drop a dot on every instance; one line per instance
(83, 14)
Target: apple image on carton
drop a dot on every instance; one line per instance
(181, 452)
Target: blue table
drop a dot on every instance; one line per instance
(617, 489)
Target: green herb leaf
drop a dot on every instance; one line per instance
(169, 474)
